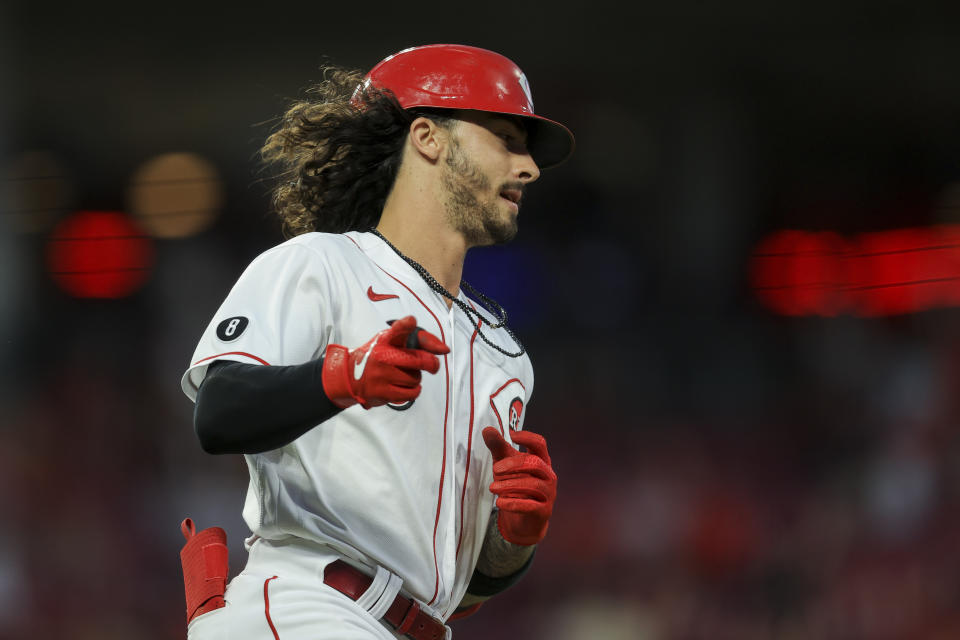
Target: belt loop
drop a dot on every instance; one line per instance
(390, 591)
(372, 593)
(408, 619)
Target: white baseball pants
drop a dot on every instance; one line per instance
(280, 595)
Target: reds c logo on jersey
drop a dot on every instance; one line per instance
(507, 404)
(516, 410)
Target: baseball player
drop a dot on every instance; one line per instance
(379, 408)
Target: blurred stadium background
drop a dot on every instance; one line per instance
(740, 297)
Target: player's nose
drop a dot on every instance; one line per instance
(527, 170)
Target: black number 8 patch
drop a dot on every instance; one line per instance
(231, 328)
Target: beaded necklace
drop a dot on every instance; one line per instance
(489, 304)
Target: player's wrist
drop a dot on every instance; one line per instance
(520, 531)
(484, 586)
(335, 376)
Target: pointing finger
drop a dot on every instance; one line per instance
(412, 359)
(429, 342)
(499, 447)
(399, 330)
(415, 337)
(534, 442)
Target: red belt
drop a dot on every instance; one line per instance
(404, 614)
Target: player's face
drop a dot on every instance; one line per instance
(486, 169)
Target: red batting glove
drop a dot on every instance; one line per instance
(524, 483)
(385, 369)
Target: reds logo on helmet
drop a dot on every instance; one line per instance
(525, 85)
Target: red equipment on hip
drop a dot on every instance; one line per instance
(205, 566)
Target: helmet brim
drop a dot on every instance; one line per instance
(550, 143)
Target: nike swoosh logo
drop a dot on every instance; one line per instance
(377, 297)
(360, 366)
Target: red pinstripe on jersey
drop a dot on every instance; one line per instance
(266, 606)
(234, 353)
(466, 472)
(446, 414)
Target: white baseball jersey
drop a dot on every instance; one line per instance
(405, 487)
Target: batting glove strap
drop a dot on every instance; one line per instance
(336, 376)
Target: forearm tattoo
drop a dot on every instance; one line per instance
(498, 557)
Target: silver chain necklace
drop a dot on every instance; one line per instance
(489, 304)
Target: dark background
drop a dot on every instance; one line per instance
(725, 472)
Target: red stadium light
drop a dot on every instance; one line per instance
(99, 254)
(804, 273)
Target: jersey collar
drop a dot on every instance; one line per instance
(388, 260)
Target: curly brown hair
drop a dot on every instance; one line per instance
(338, 158)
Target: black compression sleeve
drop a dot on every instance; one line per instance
(484, 586)
(248, 408)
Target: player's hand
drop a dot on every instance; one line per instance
(524, 483)
(385, 369)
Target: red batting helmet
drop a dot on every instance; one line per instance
(452, 76)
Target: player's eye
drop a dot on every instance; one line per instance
(513, 139)
(513, 142)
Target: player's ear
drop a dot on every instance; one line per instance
(427, 137)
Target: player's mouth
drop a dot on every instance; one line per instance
(513, 196)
